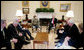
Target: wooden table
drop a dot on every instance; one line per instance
(41, 38)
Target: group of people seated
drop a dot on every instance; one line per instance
(70, 35)
(14, 33)
(36, 23)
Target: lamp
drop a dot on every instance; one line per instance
(19, 13)
(70, 14)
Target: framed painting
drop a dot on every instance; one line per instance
(25, 10)
(65, 7)
(44, 4)
(25, 3)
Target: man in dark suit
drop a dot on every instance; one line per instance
(4, 36)
(52, 23)
(65, 28)
(81, 37)
(72, 34)
(24, 31)
(17, 37)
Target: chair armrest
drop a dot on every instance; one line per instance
(81, 48)
(12, 45)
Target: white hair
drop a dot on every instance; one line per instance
(71, 21)
(15, 21)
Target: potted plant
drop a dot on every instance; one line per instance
(51, 10)
(44, 10)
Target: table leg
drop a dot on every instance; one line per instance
(33, 45)
(47, 45)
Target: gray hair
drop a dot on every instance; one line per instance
(71, 21)
(15, 21)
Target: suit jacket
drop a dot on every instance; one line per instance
(73, 32)
(7, 35)
(1, 37)
(81, 40)
(66, 28)
(19, 28)
(55, 21)
(13, 32)
(4, 39)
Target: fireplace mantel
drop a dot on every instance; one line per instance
(44, 18)
(44, 15)
(44, 21)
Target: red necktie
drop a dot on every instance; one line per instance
(53, 21)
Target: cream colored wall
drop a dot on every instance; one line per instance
(76, 6)
(8, 9)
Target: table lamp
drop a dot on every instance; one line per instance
(19, 13)
(70, 14)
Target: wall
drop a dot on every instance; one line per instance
(8, 9)
(76, 6)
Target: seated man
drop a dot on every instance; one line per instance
(59, 33)
(52, 23)
(15, 36)
(35, 22)
(24, 31)
(81, 37)
(4, 36)
(65, 28)
(72, 34)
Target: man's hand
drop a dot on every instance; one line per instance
(61, 31)
(23, 28)
(54, 25)
(20, 34)
(14, 40)
(67, 38)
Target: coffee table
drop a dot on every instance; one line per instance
(41, 38)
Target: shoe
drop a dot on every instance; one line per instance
(25, 43)
(57, 38)
(31, 38)
(28, 39)
(56, 41)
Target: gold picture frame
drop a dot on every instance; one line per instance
(65, 7)
(44, 4)
(25, 10)
(25, 3)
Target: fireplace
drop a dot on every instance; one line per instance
(44, 21)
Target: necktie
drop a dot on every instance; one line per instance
(53, 21)
(16, 30)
